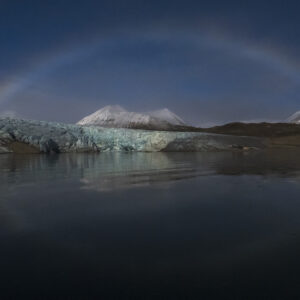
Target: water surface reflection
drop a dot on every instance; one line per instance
(111, 171)
(150, 226)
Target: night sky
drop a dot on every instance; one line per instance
(210, 62)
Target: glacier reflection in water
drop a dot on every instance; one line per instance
(150, 225)
(112, 171)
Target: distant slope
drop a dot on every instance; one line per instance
(280, 135)
(117, 117)
(256, 129)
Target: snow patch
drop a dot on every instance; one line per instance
(295, 118)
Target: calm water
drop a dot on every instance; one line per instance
(150, 226)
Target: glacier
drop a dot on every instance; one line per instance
(49, 137)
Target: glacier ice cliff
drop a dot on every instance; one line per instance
(17, 135)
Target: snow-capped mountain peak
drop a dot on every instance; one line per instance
(117, 116)
(112, 116)
(295, 118)
(112, 109)
(168, 116)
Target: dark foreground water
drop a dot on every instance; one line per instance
(150, 226)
